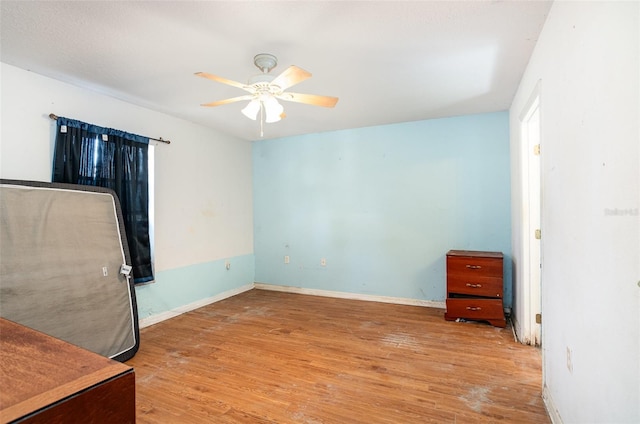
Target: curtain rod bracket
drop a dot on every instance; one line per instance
(160, 139)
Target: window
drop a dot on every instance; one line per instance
(90, 155)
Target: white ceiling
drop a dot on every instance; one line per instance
(387, 61)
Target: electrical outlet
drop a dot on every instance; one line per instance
(569, 363)
(323, 262)
(286, 259)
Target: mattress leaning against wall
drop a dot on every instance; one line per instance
(62, 247)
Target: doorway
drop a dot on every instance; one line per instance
(531, 316)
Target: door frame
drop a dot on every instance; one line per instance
(531, 218)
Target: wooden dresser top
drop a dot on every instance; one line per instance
(37, 370)
(474, 253)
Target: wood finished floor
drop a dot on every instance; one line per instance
(272, 357)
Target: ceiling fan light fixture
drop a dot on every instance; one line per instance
(273, 110)
(251, 110)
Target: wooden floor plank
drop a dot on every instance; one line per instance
(276, 357)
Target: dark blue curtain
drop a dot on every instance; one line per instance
(90, 155)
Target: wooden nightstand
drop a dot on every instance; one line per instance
(475, 286)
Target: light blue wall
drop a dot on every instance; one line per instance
(382, 204)
(182, 286)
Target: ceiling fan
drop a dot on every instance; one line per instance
(265, 90)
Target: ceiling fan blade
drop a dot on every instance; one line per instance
(290, 77)
(310, 99)
(224, 80)
(231, 100)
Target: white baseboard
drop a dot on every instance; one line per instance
(353, 296)
(154, 319)
(515, 326)
(550, 406)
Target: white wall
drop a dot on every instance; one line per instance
(203, 197)
(587, 62)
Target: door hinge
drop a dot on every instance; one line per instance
(536, 150)
(538, 234)
(538, 318)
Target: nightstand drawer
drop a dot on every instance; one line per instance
(476, 266)
(475, 285)
(479, 309)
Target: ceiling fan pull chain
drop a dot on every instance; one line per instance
(261, 120)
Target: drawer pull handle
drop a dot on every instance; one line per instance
(473, 308)
(474, 286)
(474, 266)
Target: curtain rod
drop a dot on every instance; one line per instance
(55, 117)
